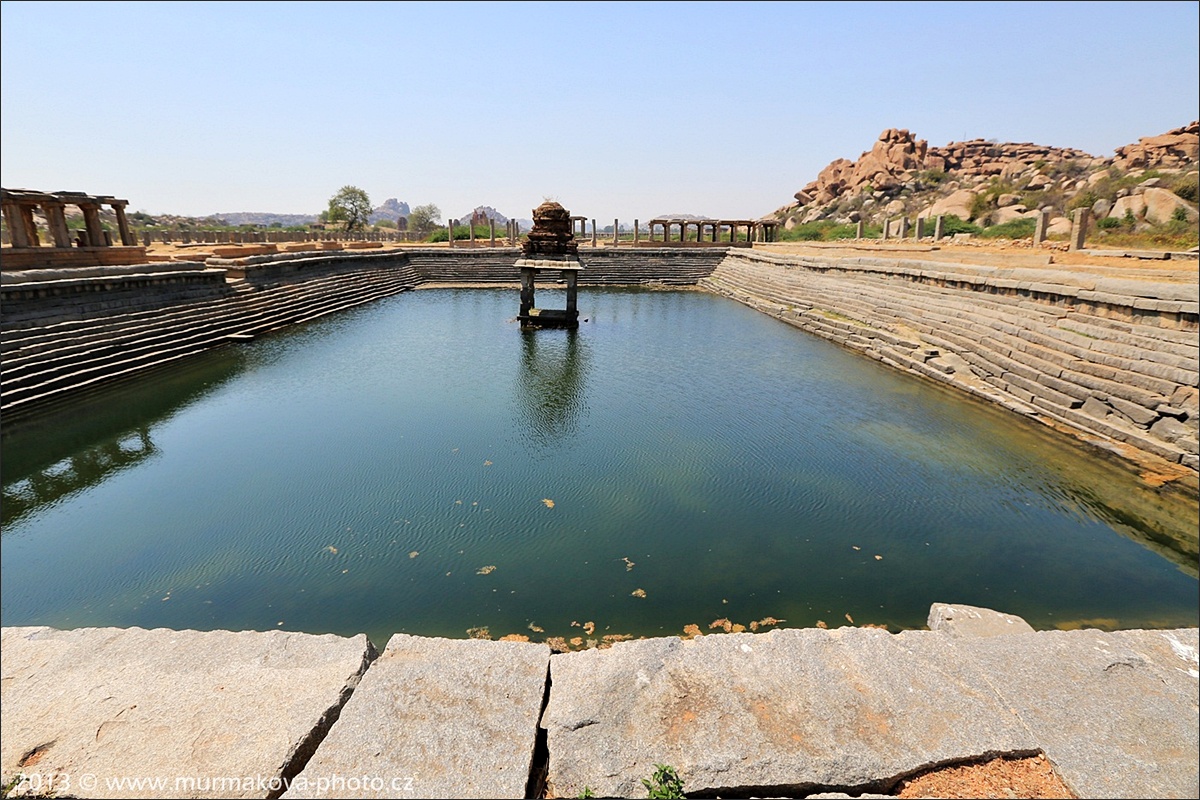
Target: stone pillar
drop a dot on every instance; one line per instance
(145, 238)
(919, 233)
(1079, 224)
(858, 229)
(616, 232)
(887, 223)
(903, 228)
(16, 225)
(939, 227)
(492, 230)
(91, 220)
(471, 235)
(56, 221)
(1039, 230)
(593, 233)
(127, 237)
(572, 278)
(450, 240)
(29, 226)
(526, 291)
(636, 232)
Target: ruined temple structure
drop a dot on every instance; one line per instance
(92, 246)
(550, 247)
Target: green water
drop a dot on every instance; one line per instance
(359, 474)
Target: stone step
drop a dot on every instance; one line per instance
(26, 389)
(166, 327)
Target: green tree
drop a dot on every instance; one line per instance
(425, 218)
(351, 207)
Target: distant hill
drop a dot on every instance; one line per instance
(391, 210)
(264, 218)
(681, 216)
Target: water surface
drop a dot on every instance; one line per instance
(421, 465)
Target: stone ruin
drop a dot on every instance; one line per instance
(550, 246)
(551, 237)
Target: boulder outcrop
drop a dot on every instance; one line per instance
(1173, 149)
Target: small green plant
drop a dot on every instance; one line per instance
(1179, 215)
(1108, 223)
(981, 205)
(586, 793)
(665, 784)
(1129, 219)
(952, 224)
(1085, 199)
(1014, 229)
(1187, 189)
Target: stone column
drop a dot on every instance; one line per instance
(887, 223)
(127, 237)
(91, 219)
(1079, 224)
(56, 221)
(903, 228)
(1039, 230)
(450, 240)
(16, 225)
(29, 226)
(636, 232)
(471, 235)
(920, 231)
(526, 290)
(858, 229)
(492, 230)
(616, 232)
(572, 278)
(593, 233)
(145, 238)
(939, 227)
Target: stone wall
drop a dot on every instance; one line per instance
(64, 257)
(1113, 359)
(47, 297)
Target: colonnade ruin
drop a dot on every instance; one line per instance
(91, 246)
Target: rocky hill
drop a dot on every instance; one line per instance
(391, 210)
(989, 182)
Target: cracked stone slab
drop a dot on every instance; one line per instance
(435, 718)
(962, 621)
(1115, 712)
(110, 712)
(789, 710)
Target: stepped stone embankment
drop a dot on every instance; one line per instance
(1115, 360)
(106, 712)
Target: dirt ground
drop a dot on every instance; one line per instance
(1013, 256)
(1001, 777)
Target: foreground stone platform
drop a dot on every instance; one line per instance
(436, 718)
(136, 713)
(106, 712)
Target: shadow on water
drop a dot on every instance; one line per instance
(550, 384)
(56, 453)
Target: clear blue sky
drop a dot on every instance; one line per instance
(617, 110)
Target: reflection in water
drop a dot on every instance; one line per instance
(57, 453)
(86, 468)
(550, 384)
